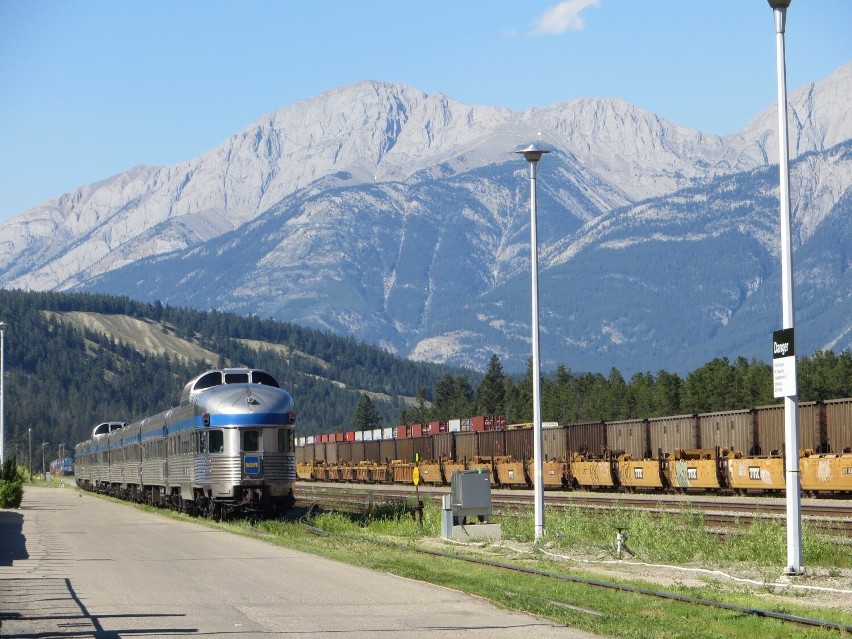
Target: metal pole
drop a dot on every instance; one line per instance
(533, 155)
(791, 403)
(30, 435)
(3, 328)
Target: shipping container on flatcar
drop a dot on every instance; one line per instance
(629, 436)
(586, 438)
(669, 433)
(729, 430)
(838, 425)
(465, 446)
(519, 443)
(771, 435)
(491, 443)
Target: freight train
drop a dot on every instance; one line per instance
(228, 449)
(62, 466)
(732, 451)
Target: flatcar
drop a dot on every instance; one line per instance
(227, 449)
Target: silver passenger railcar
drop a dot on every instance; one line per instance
(228, 448)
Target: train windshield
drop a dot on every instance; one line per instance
(261, 377)
(212, 441)
(237, 378)
(251, 441)
(209, 380)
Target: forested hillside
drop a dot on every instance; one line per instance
(72, 361)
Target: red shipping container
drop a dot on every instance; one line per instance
(477, 424)
(402, 432)
(416, 430)
(349, 436)
(339, 437)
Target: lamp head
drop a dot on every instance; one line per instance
(532, 153)
(779, 4)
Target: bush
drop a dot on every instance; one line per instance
(11, 485)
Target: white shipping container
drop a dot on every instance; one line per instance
(455, 425)
(550, 424)
(387, 433)
(300, 441)
(359, 435)
(377, 434)
(309, 439)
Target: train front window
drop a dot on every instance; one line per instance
(261, 377)
(211, 379)
(251, 441)
(236, 378)
(217, 441)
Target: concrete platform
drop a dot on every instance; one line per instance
(475, 531)
(75, 565)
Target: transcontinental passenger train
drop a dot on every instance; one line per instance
(228, 449)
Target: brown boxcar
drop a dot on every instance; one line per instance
(519, 443)
(387, 450)
(554, 443)
(771, 433)
(669, 433)
(465, 446)
(729, 430)
(423, 448)
(491, 443)
(405, 449)
(630, 437)
(585, 438)
(838, 425)
(372, 452)
(442, 445)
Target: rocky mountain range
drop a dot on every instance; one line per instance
(401, 218)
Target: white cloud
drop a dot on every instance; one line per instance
(563, 17)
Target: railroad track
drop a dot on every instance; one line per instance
(830, 516)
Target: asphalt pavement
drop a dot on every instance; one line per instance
(73, 565)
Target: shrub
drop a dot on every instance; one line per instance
(11, 485)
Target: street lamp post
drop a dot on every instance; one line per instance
(793, 485)
(533, 155)
(43, 467)
(30, 436)
(3, 327)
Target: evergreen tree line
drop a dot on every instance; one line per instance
(60, 381)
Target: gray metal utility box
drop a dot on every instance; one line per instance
(470, 492)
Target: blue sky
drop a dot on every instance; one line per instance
(90, 88)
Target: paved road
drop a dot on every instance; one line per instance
(74, 565)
